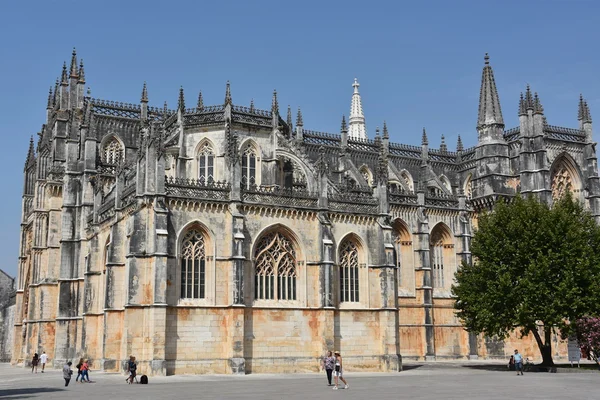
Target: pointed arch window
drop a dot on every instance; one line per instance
(112, 153)
(275, 268)
(206, 161)
(441, 251)
(349, 282)
(562, 182)
(249, 167)
(193, 265)
(437, 262)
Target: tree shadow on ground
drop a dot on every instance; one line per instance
(24, 392)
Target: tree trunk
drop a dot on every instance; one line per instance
(545, 346)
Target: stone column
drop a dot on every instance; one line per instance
(424, 266)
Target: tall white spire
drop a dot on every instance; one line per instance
(357, 130)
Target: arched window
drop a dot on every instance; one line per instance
(112, 152)
(275, 268)
(249, 167)
(565, 177)
(206, 160)
(349, 282)
(440, 249)
(366, 173)
(468, 189)
(403, 253)
(193, 265)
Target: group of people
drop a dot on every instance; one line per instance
(83, 368)
(333, 365)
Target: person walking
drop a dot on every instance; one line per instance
(339, 371)
(85, 369)
(34, 362)
(328, 363)
(78, 366)
(43, 360)
(67, 372)
(131, 368)
(518, 362)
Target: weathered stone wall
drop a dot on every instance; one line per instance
(7, 331)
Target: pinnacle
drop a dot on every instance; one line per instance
(81, 72)
(424, 140)
(274, 103)
(344, 126)
(299, 121)
(459, 144)
(490, 112)
(50, 99)
(144, 98)
(584, 111)
(228, 94)
(443, 146)
(252, 105)
(386, 135)
(289, 116)
(200, 105)
(181, 101)
(63, 80)
(74, 64)
(30, 152)
(537, 105)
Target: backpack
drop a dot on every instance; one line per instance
(144, 380)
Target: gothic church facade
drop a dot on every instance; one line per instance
(227, 239)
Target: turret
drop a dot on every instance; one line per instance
(64, 89)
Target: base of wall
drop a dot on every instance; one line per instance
(473, 357)
(429, 358)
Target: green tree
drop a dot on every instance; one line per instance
(535, 269)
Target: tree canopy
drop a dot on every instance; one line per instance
(535, 268)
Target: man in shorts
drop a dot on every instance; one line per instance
(43, 360)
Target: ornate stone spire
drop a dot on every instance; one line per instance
(200, 105)
(55, 94)
(584, 111)
(299, 121)
(74, 64)
(443, 146)
(489, 103)
(459, 144)
(228, 94)
(344, 127)
(522, 105)
(537, 105)
(165, 108)
(424, 140)
(144, 98)
(63, 79)
(181, 101)
(386, 134)
(357, 130)
(30, 154)
(251, 105)
(274, 103)
(50, 99)
(289, 117)
(81, 72)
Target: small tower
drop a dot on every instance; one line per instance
(358, 129)
(144, 103)
(492, 152)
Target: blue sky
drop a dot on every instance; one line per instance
(419, 63)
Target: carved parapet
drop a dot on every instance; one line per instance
(274, 195)
(197, 189)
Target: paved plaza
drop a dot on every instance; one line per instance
(418, 381)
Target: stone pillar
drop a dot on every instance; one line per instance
(424, 267)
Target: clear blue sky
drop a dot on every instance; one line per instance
(418, 63)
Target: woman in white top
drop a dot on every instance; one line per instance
(339, 371)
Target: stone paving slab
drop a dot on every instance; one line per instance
(418, 381)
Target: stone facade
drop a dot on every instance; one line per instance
(227, 239)
(7, 314)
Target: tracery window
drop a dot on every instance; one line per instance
(437, 263)
(440, 251)
(469, 188)
(349, 289)
(193, 265)
(275, 268)
(249, 167)
(112, 153)
(206, 160)
(561, 182)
